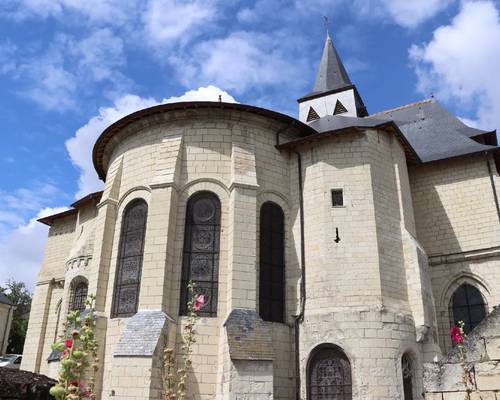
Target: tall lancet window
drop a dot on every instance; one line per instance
(272, 263)
(408, 373)
(468, 305)
(329, 375)
(128, 271)
(200, 263)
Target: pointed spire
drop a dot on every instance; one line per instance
(331, 73)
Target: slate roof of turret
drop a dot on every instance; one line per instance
(332, 75)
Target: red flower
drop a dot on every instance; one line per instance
(74, 383)
(456, 335)
(68, 343)
(75, 333)
(200, 301)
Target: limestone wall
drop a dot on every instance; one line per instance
(444, 380)
(5, 321)
(457, 224)
(357, 292)
(165, 163)
(47, 294)
(454, 205)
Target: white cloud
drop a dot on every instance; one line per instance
(462, 61)
(167, 21)
(80, 146)
(241, 61)
(25, 199)
(21, 251)
(208, 93)
(70, 67)
(406, 13)
(96, 11)
(99, 54)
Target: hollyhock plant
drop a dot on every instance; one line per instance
(457, 334)
(195, 304)
(200, 302)
(78, 349)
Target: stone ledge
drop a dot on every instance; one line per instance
(142, 333)
(248, 336)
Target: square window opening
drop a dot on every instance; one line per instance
(337, 198)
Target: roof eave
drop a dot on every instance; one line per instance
(388, 125)
(455, 157)
(314, 95)
(105, 136)
(49, 220)
(92, 197)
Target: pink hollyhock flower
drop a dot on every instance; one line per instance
(68, 343)
(200, 302)
(456, 335)
(75, 333)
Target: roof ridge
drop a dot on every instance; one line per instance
(424, 101)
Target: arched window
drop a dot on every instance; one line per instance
(468, 305)
(129, 266)
(408, 374)
(329, 375)
(78, 294)
(200, 263)
(272, 263)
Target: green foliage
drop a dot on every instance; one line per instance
(18, 293)
(170, 377)
(79, 360)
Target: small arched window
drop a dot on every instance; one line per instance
(200, 263)
(408, 376)
(129, 266)
(78, 294)
(272, 263)
(468, 306)
(329, 375)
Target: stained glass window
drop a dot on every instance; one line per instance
(272, 263)
(468, 306)
(330, 375)
(78, 295)
(200, 262)
(128, 273)
(407, 370)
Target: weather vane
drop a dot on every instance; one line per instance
(326, 25)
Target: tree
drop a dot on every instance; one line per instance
(18, 293)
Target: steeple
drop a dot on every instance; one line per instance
(331, 73)
(333, 91)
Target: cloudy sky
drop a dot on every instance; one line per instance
(68, 68)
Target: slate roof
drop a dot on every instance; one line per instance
(49, 219)
(332, 74)
(427, 130)
(433, 132)
(331, 125)
(5, 300)
(335, 122)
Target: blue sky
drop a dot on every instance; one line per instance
(68, 68)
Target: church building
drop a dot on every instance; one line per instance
(335, 250)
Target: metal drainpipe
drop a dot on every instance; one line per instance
(299, 318)
(493, 187)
